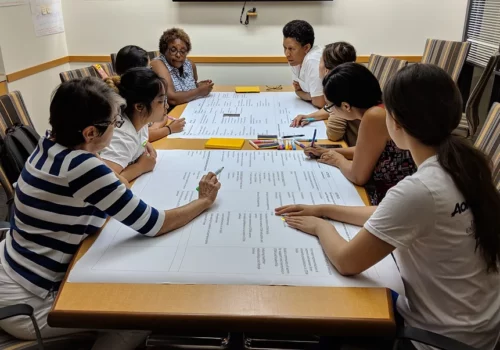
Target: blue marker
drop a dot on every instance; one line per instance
(312, 145)
(314, 138)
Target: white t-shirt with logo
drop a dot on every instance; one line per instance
(448, 290)
(127, 144)
(307, 74)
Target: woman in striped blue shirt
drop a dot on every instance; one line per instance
(64, 194)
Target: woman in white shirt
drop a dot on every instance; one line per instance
(130, 154)
(303, 58)
(442, 223)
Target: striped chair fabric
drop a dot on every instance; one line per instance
(449, 55)
(85, 72)
(384, 67)
(12, 111)
(488, 141)
(151, 54)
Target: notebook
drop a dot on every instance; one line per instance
(242, 89)
(225, 143)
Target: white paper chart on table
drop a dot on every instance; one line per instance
(264, 113)
(239, 240)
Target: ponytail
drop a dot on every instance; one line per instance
(471, 173)
(426, 103)
(137, 86)
(113, 82)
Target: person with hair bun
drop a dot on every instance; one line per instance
(133, 56)
(337, 128)
(442, 223)
(130, 154)
(179, 72)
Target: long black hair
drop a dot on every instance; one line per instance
(79, 103)
(354, 84)
(426, 102)
(138, 86)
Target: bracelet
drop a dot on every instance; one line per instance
(169, 130)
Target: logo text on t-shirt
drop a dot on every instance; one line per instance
(460, 208)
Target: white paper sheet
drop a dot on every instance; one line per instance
(239, 240)
(47, 17)
(262, 113)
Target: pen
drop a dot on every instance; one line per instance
(312, 145)
(257, 142)
(303, 140)
(171, 118)
(313, 139)
(269, 145)
(253, 144)
(217, 172)
(300, 144)
(291, 136)
(309, 120)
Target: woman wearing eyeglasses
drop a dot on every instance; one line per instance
(178, 71)
(129, 153)
(353, 93)
(64, 194)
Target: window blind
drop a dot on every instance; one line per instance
(483, 30)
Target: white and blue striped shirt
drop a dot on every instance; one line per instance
(62, 196)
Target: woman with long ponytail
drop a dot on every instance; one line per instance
(443, 222)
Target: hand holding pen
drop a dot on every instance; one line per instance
(209, 187)
(301, 120)
(217, 172)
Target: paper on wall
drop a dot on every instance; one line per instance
(47, 17)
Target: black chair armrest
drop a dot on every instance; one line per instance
(4, 226)
(22, 310)
(16, 310)
(432, 339)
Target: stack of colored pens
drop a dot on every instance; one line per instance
(264, 144)
(288, 143)
(279, 144)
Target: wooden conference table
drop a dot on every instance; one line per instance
(280, 309)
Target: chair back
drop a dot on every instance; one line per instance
(85, 72)
(385, 67)
(472, 105)
(12, 111)
(488, 141)
(449, 55)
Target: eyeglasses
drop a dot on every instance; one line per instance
(174, 51)
(275, 87)
(328, 109)
(117, 122)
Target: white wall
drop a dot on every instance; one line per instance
(382, 26)
(21, 49)
(398, 27)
